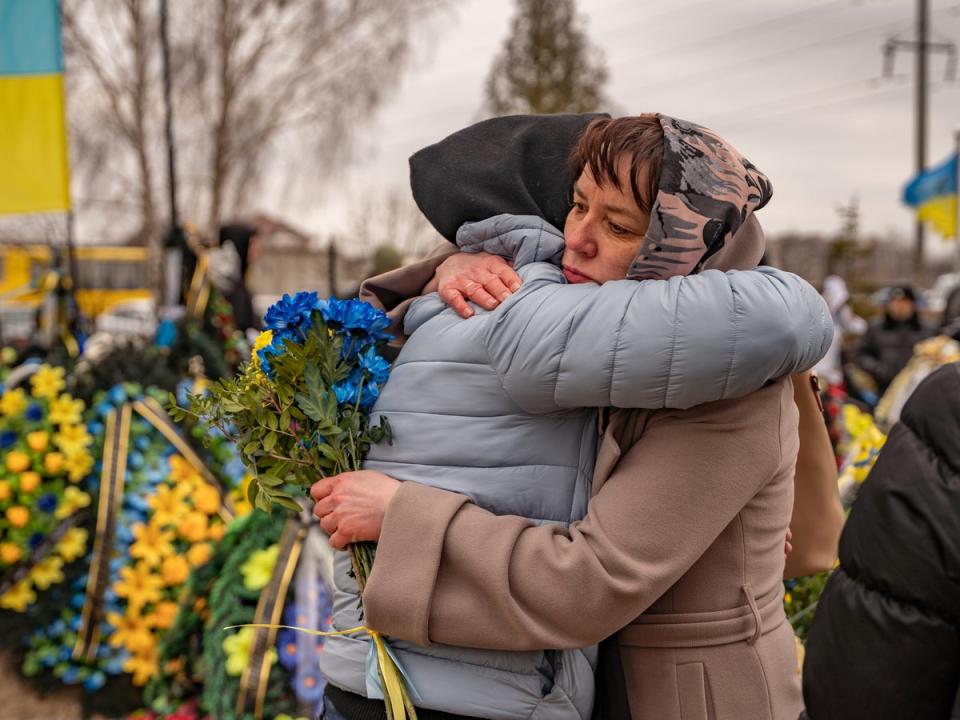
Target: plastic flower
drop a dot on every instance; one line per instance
(53, 463)
(72, 438)
(47, 382)
(78, 465)
(199, 554)
(130, 631)
(29, 481)
(10, 553)
(138, 585)
(5, 491)
(142, 666)
(193, 527)
(34, 412)
(205, 498)
(290, 315)
(163, 615)
(47, 502)
(17, 461)
(18, 516)
(73, 499)
(374, 366)
(37, 440)
(12, 402)
(237, 648)
(216, 531)
(8, 438)
(264, 356)
(258, 568)
(66, 411)
(175, 570)
(18, 597)
(47, 572)
(181, 471)
(262, 341)
(168, 504)
(73, 544)
(152, 544)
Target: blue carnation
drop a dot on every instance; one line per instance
(346, 392)
(374, 365)
(34, 412)
(290, 316)
(7, 439)
(370, 393)
(47, 502)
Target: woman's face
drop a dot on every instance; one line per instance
(604, 230)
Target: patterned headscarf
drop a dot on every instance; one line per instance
(707, 191)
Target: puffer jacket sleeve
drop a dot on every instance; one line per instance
(655, 344)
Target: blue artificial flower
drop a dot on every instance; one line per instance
(166, 334)
(370, 393)
(34, 412)
(76, 602)
(35, 540)
(332, 310)
(374, 366)
(287, 648)
(117, 395)
(7, 439)
(95, 681)
(142, 443)
(70, 674)
(95, 427)
(47, 502)
(360, 315)
(346, 392)
(57, 628)
(104, 409)
(290, 316)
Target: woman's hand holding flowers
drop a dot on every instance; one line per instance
(351, 506)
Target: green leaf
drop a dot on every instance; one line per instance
(272, 421)
(252, 490)
(269, 480)
(287, 502)
(251, 447)
(285, 419)
(270, 441)
(262, 501)
(311, 407)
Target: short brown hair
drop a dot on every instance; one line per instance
(606, 140)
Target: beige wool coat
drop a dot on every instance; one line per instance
(680, 555)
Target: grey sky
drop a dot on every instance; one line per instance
(795, 85)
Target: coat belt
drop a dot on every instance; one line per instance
(745, 623)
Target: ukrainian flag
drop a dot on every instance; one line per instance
(33, 137)
(933, 194)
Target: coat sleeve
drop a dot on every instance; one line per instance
(482, 580)
(655, 344)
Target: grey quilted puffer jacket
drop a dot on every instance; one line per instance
(500, 408)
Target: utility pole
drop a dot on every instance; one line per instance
(920, 45)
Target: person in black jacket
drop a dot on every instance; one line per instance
(885, 641)
(887, 345)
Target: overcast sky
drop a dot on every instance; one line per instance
(796, 85)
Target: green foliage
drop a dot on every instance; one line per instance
(547, 64)
(800, 601)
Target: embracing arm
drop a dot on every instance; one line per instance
(646, 526)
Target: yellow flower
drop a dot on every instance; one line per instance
(73, 499)
(18, 597)
(65, 411)
(72, 438)
(237, 648)
(169, 504)
(37, 440)
(47, 572)
(10, 553)
(53, 463)
(73, 544)
(216, 531)
(263, 339)
(78, 465)
(175, 570)
(163, 615)
(142, 667)
(152, 544)
(131, 631)
(206, 499)
(17, 461)
(47, 382)
(199, 554)
(5, 491)
(139, 585)
(18, 516)
(193, 527)
(182, 472)
(29, 481)
(13, 402)
(258, 568)
(242, 506)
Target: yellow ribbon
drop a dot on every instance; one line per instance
(395, 694)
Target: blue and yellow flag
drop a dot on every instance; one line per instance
(33, 138)
(933, 194)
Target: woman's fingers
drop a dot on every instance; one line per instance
(476, 291)
(455, 299)
(508, 276)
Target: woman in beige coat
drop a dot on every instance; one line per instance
(680, 555)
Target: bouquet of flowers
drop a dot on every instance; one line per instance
(300, 410)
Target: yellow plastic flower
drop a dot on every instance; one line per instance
(205, 498)
(10, 553)
(73, 544)
(53, 463)
(78, 465)
(139, 585)
(258, 568)
(47, 572)
(17, 461)
(182, 472)
(152, 543)
(73, 499)
(169, 504)
(47, 382)
(13, 402)
(199, 554)
(65, 411)
(18, 597)
(72, 438)
(18, 516)
(131, 631)
(29, 481)
(175, 570)
(193, 527)
(5, 491)
(237, 648)
(163, 615)
(216, 531)
(142, 666)
(242, 506)
(263, 339)
(37, 440)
